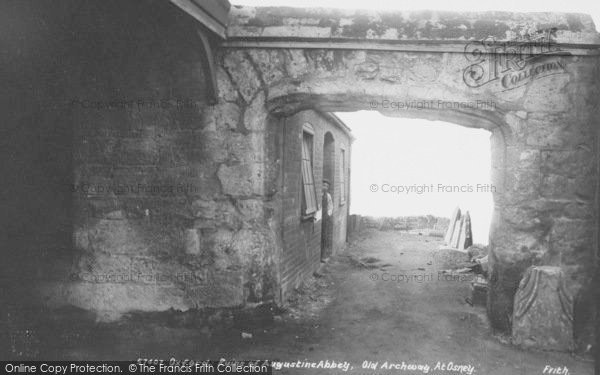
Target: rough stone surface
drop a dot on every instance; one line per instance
(241, 180)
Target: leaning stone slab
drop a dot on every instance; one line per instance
(465, 238)
(456, 235)
(543, 311)
(453, 219)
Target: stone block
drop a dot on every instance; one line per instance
(226, 90)
(570, 163)
(556, 131)
(544, 94)
(271, 64)
(244, 76)
(245, 148)
(297, 64)
(516, 123)
(543, 310)
(561, 187)
(522, 184)
(528, 159)
(255, 116)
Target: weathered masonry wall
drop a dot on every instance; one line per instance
(167, 192)
(301, 253)
(543, 116)
(200, 223)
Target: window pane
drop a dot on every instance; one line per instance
(308, 184)
(342, 176)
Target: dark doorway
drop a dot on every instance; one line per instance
(327, 202)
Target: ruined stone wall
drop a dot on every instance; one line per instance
(167, 191)
(547, 215)
(301, 253)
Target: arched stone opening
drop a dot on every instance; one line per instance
(501, 138)
(530, 142)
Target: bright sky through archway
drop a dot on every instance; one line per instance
(419, 167)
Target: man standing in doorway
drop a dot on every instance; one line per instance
(326, 232)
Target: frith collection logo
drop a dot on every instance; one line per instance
(513, 63)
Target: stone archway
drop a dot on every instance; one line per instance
(542, 134)
(501, 141)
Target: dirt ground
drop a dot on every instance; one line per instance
(382, 314)
(381, 300)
